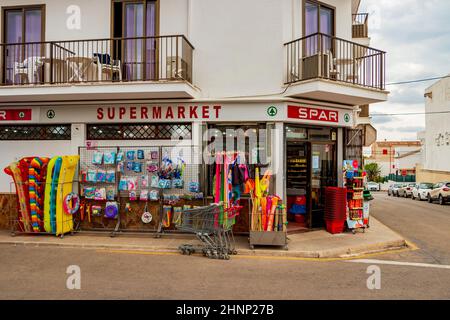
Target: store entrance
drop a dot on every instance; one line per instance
(323, 174)
(310, 168)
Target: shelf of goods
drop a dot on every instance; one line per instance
(136, 188)
(268, 217)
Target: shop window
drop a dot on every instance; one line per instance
(354, 144)
(36, 132)
(139, 132)
(249, 143)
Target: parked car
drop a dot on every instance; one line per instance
(440, 192)
(406, 190)
(373, 186)
(420, 191)
(393, 189)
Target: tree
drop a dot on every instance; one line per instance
(373, 171)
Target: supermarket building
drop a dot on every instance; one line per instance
(136, 73)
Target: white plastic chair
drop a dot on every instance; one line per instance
(105, 68)
(30, 68)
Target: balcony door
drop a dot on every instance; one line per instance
(136, 23)
(23, 29)
(318, 18)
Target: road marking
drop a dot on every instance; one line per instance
(399, 263)
(259, 257)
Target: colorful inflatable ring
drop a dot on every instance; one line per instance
(71, 203)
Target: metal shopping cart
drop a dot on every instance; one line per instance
(212, 225)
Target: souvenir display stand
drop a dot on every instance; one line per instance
(268, 217)
(354, 182)
(98, 188)
(366, 211)
(136, 189)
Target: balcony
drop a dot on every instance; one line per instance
(360, 26)
(141, 67)
(328, 68)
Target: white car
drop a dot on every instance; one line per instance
(421, 190)
(373, 186)
(440, 192)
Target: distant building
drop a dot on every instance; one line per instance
(436, 163)
(395, 156)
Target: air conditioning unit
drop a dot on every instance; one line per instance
(174, 70)
(310, 66)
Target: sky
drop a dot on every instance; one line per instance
(416, 36)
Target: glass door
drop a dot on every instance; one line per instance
(22, 58)
(137, 20)
(323, 174)
(318, 18)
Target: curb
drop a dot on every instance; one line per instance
(342, 253)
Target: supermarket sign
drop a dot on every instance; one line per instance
(15, 114)
(197, 111)
(313, 114)
(169, 112)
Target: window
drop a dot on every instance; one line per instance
(145, 131)
(22, 25)
(36, 132)
(136, 20)
(318, 18)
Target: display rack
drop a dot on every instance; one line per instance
(96, 191)
(137, 189)
(354, 182)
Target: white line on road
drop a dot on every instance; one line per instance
(398, 263)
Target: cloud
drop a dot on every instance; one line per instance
(412, 129)
(414, 33)
(381, 118)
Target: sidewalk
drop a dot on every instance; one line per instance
(314, 244)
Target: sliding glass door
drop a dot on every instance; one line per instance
(137, 20)
(318, 18)
(22, 26)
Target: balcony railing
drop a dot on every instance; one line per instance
(161, 58)
(360, 25)
(326, 57)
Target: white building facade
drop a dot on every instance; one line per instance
(136, 73)
(436, 165)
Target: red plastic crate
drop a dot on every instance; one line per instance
(335, 227)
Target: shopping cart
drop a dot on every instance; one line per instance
(212, 225)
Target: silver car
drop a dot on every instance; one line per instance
(406, 190)
(393, 189)
(421, 190)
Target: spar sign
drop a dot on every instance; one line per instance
(15, 114)
(314, 114)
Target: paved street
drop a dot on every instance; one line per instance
(36, 273)
(427, 225)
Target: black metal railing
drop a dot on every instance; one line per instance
(100, 60)
(323, 56)
(360, 25)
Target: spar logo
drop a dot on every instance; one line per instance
(314, 114)
(272, 111)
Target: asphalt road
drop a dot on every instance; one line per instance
(40, 273)
(426, 225)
